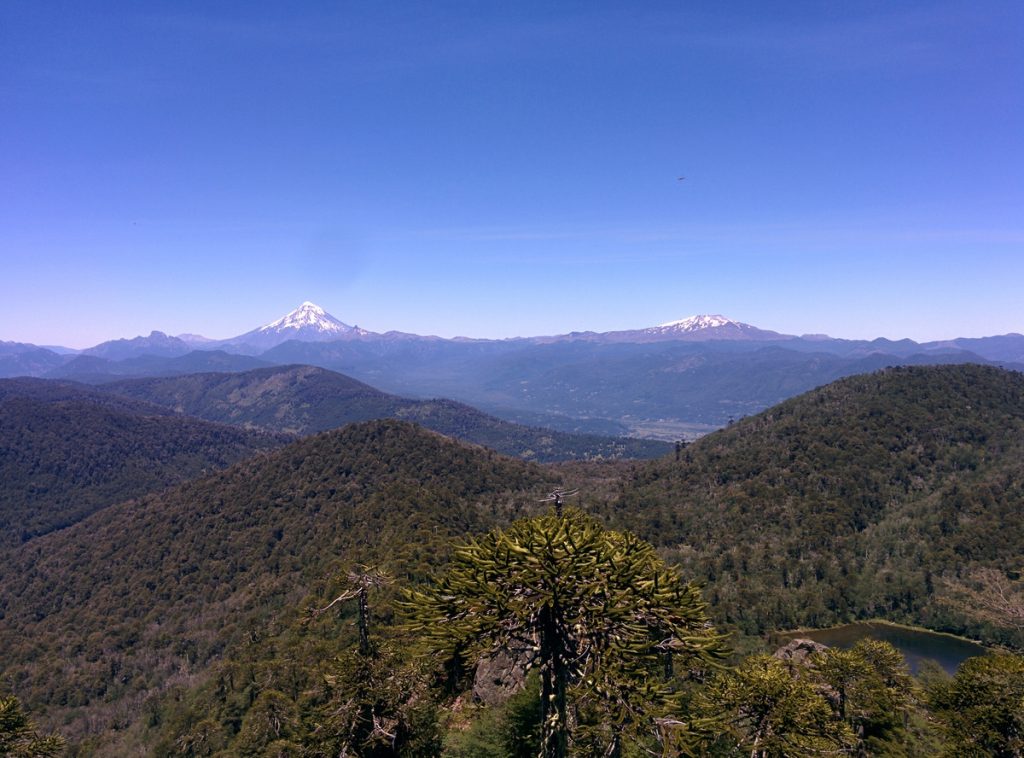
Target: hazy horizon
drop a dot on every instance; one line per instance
(146, 332)
(503, 171)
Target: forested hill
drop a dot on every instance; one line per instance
(858, 499)
(866, 497)
(67, 451)
(99, 616)
(305, 399)
(55, 391)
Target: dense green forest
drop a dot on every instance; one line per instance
(864, 498)
(199, 621)
(97, 616)
(53, 391)
(305, 399)
(66, 453)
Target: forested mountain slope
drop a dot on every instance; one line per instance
(305, 399)
(101, 616)
(56, 390)
(857, 499)
(66, 452)
(861, 498)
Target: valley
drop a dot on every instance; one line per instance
(682, 378)
(881, 495)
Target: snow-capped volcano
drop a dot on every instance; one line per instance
(695, 323)
(703, 328)
(307, 316)
(307, 323)
(709, 327)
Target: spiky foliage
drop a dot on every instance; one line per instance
(871, 685)
(599, 609)
(19, 737)
(772, 714)
(981, 709)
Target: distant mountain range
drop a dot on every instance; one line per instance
(668, 381)
(95, 370)
(311, 323)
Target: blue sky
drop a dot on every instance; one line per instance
(501, 169)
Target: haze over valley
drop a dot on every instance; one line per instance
(669, 382)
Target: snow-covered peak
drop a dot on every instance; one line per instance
(704, 328)
(308, 316)
(307, 323)
(696, 323)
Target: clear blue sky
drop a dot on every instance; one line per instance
(499, 169)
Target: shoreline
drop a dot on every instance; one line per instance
(794, 633)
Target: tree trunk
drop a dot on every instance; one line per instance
(364, 622)
(554, 726)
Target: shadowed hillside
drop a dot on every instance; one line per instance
(101, 615)
(304, 399)
(66, 452)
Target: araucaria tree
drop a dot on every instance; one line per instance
(605, 619)
(19, 737)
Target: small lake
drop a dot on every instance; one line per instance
(915, 644)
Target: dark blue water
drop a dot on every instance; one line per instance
(915, 644)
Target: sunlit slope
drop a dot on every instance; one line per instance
(856, 499)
